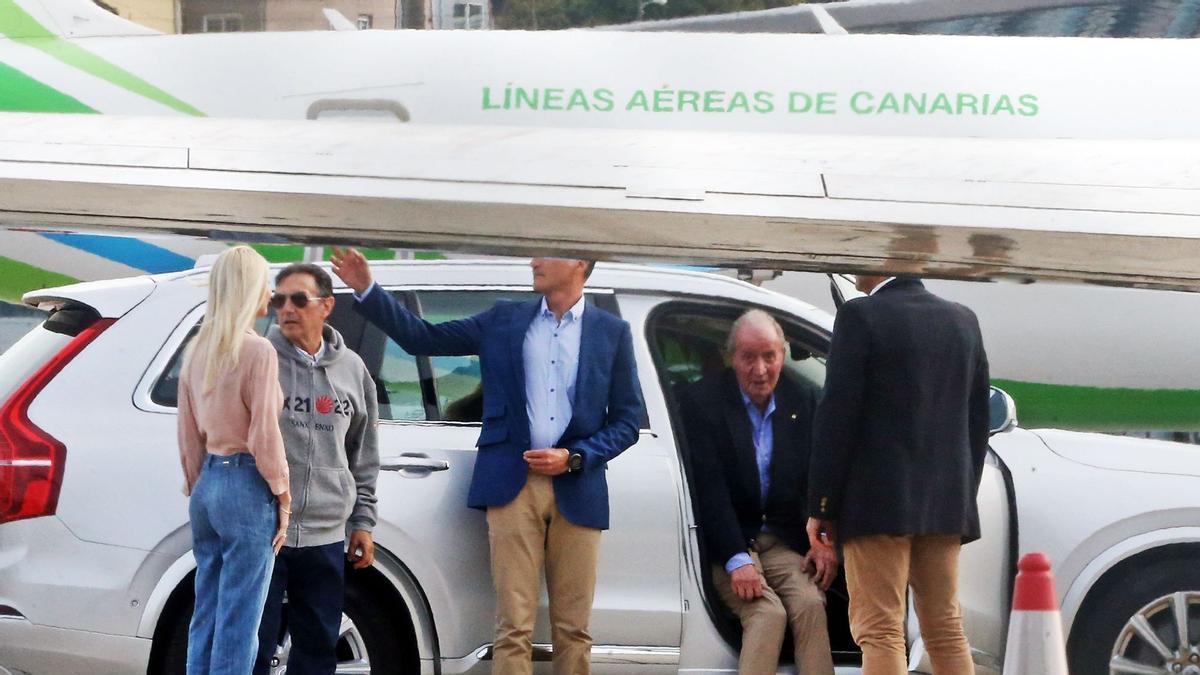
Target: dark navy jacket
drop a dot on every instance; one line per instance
(606, 411)
(901, 433)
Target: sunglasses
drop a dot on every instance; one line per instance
(299, 300)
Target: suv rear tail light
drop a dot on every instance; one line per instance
(31, 460)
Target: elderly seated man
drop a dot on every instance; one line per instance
(749, 434)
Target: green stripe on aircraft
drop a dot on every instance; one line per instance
(289, 253)
(18, 25)
(21, 93)
(18, 278)
(1103, 409)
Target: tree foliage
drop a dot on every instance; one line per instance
(557, 14)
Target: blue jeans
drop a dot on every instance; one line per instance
(314, 579)
(233, 516)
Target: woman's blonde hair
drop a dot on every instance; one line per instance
(237, 287)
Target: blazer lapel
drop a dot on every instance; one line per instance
(589, 338)
(784, 429)
(738, 421)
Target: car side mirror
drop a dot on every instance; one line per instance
(1002, 412)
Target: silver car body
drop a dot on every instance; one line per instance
(89, 588)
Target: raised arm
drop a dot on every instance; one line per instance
(416, 336)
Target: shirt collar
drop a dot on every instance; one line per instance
(752, 407)
(576, 310)
(883, 283)
(313, 358)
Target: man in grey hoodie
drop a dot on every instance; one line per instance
(328, 423)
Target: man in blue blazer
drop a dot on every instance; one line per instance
(560, 399)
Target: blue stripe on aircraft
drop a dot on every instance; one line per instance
(125, 250)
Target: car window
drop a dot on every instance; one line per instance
(438, 388)
(455, 380)
(166, 388)
(690, 345)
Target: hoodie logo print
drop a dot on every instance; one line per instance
(325, 405)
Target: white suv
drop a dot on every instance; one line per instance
(95, 561)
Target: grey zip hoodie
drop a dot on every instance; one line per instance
(328, 423)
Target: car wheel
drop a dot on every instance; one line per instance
(1146, 622)
(367, 643)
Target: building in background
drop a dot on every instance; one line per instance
(461, 14)
(288, 15)
(233, 16)
(161, 15)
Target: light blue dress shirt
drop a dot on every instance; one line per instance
(763, 435)
(551, 353)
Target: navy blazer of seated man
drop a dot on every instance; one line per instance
(606, 408)
(726, 469)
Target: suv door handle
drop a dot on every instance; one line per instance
(413, 462)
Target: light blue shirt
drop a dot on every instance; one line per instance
(551, 353)
(763, 435)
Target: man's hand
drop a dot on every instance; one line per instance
(362, 549)
(821, 563)
(822, 533)
(747, 582)
(548, 461)
(283, 510)
(351, 267)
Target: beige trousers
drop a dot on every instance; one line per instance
(526, 534)
(790, 598)
(879, 570)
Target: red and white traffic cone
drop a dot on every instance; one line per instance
(1035, 639)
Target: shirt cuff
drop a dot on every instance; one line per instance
(370, 289)
(738, 560)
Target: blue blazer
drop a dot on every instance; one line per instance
(606, 411)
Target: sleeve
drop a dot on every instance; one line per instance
(740, 559)
(839, 414)
(979, 414)
(625, 410)
(192, 440)
(362, 456)
(710, 494)
(417, 336)
(264, 400)
(370, 289)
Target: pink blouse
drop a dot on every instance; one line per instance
(239, 414)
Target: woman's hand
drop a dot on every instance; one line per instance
(285, 518)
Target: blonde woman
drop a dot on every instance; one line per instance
(234, 466)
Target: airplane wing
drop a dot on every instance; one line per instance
(1117, 212)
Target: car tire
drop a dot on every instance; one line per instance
(379, 630)
(1131, 589)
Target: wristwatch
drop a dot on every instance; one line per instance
(574, 462)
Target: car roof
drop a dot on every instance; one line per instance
(476, 273)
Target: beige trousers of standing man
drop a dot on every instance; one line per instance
(524, 534)
(879, 570)
(790, 598)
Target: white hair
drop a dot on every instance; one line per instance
(237, 288)
(756, 318)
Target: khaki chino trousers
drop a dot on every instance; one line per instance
(879, 570)
(790, 599)
(525, 535)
